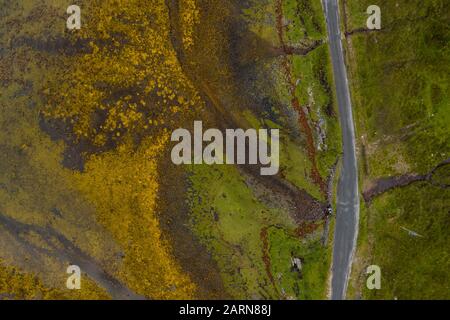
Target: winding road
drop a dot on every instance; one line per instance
(347, 215)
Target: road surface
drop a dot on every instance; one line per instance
(347, 215)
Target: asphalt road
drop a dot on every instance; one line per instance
(347, 215)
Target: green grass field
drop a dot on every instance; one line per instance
(400, 82)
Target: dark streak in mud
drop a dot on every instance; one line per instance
(274, 191)
(76, 149)
(383, 185)
(301, 51)
(61, 248)
(360, 30)
(59, 45)
(67, 45)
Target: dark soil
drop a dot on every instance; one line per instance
(383, 185)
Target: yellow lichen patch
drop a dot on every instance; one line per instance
(112, 90)
(16, 284)
(122, 184)
(126, 83)
(190, 16)
(126, 72)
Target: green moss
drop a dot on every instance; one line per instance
(228, 219)
(310, 283)
(412, 267)
(404, 94)
(305, 19)
(399, 79)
